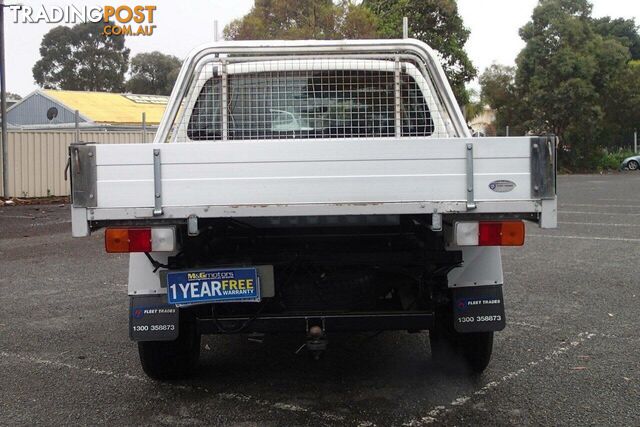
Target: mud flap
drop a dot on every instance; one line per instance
(478, 309)
(152, 319)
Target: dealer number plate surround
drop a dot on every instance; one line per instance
(213, 285)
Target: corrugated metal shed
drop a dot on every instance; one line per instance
(94, 107)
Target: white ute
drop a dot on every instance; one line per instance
(313, 187)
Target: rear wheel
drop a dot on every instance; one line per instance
(470, 352)
(633, 165)
(171, 360)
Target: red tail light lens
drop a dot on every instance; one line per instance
(127, 240)
(490, 234)
(505, 233)
(140, 240)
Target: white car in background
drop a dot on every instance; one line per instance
(632, 163)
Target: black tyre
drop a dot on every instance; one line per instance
(633, 165)
(470, 352)
(171, 360)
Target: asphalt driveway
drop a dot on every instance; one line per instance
(569, 356)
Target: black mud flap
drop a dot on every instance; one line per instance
(152, 319)
(478, 309)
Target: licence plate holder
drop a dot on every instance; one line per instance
(213, 285)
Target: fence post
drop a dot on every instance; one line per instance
(144, 127)
(635, 142)
(3, 109)
(405, 27)
(77, 119)
(507, 131)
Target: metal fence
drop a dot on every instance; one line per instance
(37, 158)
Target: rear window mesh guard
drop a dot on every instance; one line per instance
(343, 103)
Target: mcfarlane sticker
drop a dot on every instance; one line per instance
(502, 186)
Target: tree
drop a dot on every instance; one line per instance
(619, 88)
(563, 75)
(474, 106)
(496, 85)
(355, 22)
(82, 58)
(575, 78)
(437, 23)
(498, 90)
(153, 73)
(302, 19)
(624, 30)
(621, 105)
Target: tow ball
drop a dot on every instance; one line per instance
(316, 342)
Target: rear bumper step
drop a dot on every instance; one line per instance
(329, 323)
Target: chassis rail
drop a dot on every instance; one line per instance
(330, 323)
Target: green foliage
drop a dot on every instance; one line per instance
(82, 58)
(153, 73)
(621, 104)
(474, 106)
(557, 67)
(574, 78)
(497, 84)
(437, 23)
(302, 19)
(611, 160)
(356, 22)
(624, 30)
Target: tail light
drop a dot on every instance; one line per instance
(161, 239)
(489, 233)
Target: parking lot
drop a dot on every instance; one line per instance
(568, 356)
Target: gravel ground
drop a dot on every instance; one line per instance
(569, 354)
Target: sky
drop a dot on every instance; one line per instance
(182, 25)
